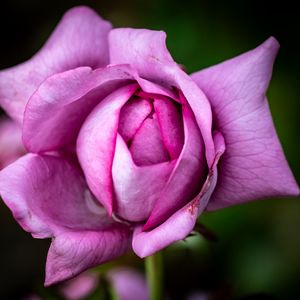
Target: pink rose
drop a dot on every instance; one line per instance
(126, 149)
(126, 283)
(80, 287)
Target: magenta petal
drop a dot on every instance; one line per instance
(11, 146)
(96, 144)
(48, 195)
(71, 253)
(80, 39)
(187, 177)
(49, 198)
(147, 147)
(171, 126)
(80, 287)
(128, 284)
(136, 187)
(56, 111)
(132, 115)
(182, 222)
(155, 89)
(254, 165)
(146, 51)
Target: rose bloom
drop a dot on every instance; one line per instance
(126, 283)
(126, 150)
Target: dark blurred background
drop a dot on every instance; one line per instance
(257, 255)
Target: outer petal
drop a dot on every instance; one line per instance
(49, 198)
(11, 146)
(254, 165)
(128, 284)
(73, 252)
(80, 39)
(188, 174)
(181, 223)
(146, 51)
(137, 187)
(56, 111)
(96, 144)
(48, 195)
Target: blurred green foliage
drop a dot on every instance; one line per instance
(259, 244)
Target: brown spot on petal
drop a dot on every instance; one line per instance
(155, 58)
(193, 207)
(182, 67)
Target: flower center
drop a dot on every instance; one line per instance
(152, 129)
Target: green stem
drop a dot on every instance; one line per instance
(154, 272)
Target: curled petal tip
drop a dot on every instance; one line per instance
(269, 48)
(271, 43)
(296, 191)
(48, 282)
(140, 252)
(83, 10)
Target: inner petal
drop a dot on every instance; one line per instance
(147, 147)
(171, 125)
(132, 115)
(137, 188)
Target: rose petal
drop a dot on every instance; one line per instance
(71, 253)
(146, 51)
(56, 111)
(128, 284)
(49, 198)
(187, 177)
(254, 165)
(136, 187)
(80, 287)
(153, 89)
(11, 146)
(132, 115)
(147, 147)
(48, 195)
(80, 39)
(170, 125)
(182, 222)
(96, 144)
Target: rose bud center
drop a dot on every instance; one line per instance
(149, 141)
(152, 129)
